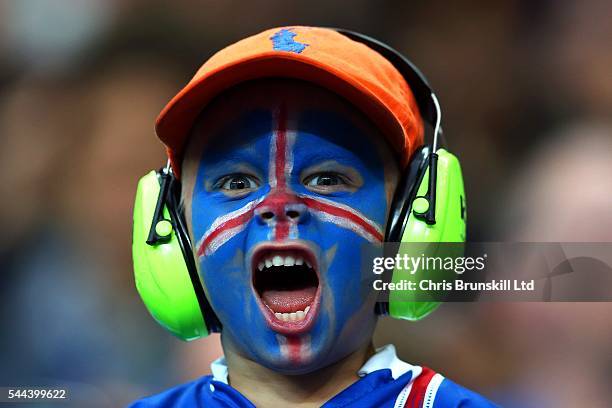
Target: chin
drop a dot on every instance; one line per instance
(306, 363)
(317, 350)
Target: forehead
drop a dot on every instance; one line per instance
(244, 117)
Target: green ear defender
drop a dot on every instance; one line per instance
(428, 207)
(409, 224)
(164, 268)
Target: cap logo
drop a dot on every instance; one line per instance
(282, 40)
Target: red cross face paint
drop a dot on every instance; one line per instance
(289, 188)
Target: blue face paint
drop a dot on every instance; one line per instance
(277, 188)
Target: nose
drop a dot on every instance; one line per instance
(293, 214)
(281, 208)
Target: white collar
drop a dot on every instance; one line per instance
(219, 370)
(385, 357)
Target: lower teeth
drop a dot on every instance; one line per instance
(294, 316)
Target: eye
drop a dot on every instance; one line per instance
(331, 177)
(324, 180)
(237, 183)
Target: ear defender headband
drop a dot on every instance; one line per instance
(428, 207)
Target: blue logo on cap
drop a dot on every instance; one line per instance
(283, 41)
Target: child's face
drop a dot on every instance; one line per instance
(291, 184)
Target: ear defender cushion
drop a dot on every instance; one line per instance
(160, 271)
(450, 226)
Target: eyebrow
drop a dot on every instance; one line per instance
(329, 156)
(326, 164)
(220, 155)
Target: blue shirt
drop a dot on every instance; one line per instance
(385, 382)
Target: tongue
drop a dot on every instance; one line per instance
(287, 301)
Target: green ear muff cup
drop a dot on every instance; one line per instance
(160, 271)
(450, 226)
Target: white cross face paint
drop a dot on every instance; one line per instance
(281, 200)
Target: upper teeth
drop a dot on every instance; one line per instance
(281, 260)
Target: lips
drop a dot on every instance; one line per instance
(286, 282)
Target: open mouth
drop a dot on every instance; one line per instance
(286, 281)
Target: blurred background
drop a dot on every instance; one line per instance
(526, 88)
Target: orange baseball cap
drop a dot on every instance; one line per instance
(318, 55)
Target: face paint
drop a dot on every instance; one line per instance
(280, 258)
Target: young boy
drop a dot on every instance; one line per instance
(289, 146)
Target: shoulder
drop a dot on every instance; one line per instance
(451, 394)
(191, 394)
(433, 390)
(392, 382)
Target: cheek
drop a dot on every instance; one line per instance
(372, 200)
(223, 270)
(348, 279)
(227, 285)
